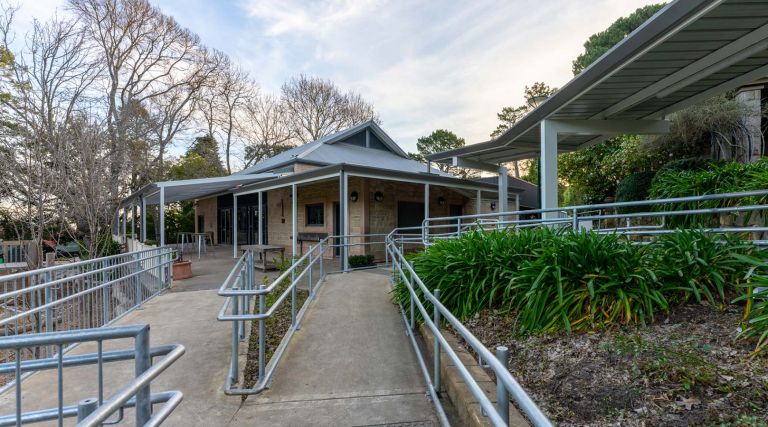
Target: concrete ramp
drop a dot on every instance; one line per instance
(351, 364)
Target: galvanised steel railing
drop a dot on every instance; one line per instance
(97, 410)
(241, 293)
(13, 252)
(81, 295)
(506, 385)
(639, 218)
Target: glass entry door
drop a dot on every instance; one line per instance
(225, 226)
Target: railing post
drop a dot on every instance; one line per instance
(48, 310)
(458, 227)
(85, 407)
(262, 332)
(233, 361)
(105, 292)
(240, 306)
(142, 364)
(436, 320)
(575, 220)
(309, 273)
(136, 279)
(322, 256)
(412, 308)
(502, 398)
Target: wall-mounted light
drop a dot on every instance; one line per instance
(353, 196)
(493, 206)
(441, 201)
(378, 196)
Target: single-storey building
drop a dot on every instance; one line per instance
(354, 182)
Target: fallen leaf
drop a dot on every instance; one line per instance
(689, 403)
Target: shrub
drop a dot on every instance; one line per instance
(687, 164)
(577, 280)
(583, 280)
(634, 187)
(692, 263)
(756, 297)
(473, 272)
(357, 261)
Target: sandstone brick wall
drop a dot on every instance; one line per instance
(366, 216)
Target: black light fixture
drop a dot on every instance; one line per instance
(493, 206)
(441, 201)
(353, 196)
(378, 196)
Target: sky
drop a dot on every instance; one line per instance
(424, 65)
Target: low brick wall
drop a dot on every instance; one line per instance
(467, 407)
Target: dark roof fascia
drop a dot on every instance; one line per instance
(663, 22)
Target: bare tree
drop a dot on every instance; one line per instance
(268, 131)
(85, 177)
(236, 88)
(44, 87)
(144, 52)
(317, 107)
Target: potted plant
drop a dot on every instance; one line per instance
(182, 269)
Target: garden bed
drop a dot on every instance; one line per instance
(687, 368)
(276, 327)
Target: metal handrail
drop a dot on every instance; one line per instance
(81, 295)
(507, 386)
(573, 216)
(97, 410)
(240, 288)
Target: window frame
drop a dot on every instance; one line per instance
(307, 208)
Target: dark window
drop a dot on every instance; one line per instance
(316, 214)
(410, 214)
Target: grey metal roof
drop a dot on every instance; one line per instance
(689, 51)
(189, 189)
(332, 149)
(529, 193)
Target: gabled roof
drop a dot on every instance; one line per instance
(338, 148)
(687, 52)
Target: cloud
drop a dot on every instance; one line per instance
(424, 64)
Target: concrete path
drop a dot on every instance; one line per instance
(351, 364)
(188, 318)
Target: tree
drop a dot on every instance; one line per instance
(269, 132)
(599, 43)
(145, 55)
(510, 115)
(316, 107)
(202, 160)
(437, 141)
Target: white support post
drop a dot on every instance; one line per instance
(548, 168)
(479, 202)
(125, 224)
(162, 216)
(294, 221)
(143, 220)
(133, 222)
(426, 201)
(344, 220)
(234, 225)
(261, 219)
(503, 188)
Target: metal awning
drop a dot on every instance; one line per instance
(190, 189)
(689, 51)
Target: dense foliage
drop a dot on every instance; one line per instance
(599, 43)
(550, 280)
(634, 187)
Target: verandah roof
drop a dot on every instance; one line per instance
(689, 51)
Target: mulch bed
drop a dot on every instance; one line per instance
(685, 369)
(276, 328)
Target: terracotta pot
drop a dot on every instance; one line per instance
(182, 270)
